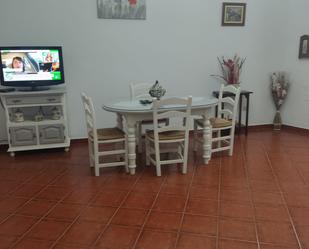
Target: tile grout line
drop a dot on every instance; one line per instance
(29, 200)
(9, 194)
(219, 203)
(283, 198)
(251, 194)
(94, 243)
(78, 216)
(148, 214)
(185, 206)
(300, 173)
(43, 216)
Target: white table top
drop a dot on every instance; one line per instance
(134, 106)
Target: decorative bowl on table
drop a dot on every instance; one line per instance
(157, 91)
(145, 101)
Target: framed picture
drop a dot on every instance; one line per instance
(304, 47)
(233, 14)
(121, 9)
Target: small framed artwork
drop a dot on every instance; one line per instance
(233, 14)
(304, 47)
(122, 9)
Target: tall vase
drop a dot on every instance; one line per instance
(279, 88)
(277, 121)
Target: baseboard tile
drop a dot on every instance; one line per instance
(296, 129)
(267, 127)
(263, 127)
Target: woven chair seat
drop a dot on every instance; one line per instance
(108, 134)
(216, 122)
(167, 135)
(220, 122)
(150, 121)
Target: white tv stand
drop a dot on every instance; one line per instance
(30, 120)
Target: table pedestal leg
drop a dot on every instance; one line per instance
(119, 121)
(131, 147)
(207, 140)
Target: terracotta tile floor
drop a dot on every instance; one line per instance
(257, 199)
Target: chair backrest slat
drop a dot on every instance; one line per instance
(165, 113)
(231, 89)
(227, 113)
(140, 90)
(228, 102)
(172, 101)
(171, 128)
(172, 114)
(89, 123)
(90, 115)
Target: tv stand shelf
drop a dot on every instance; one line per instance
(36, 120)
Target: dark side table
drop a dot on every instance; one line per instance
(245, 94)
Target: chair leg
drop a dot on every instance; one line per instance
(158, 168)
(97, 171)
(147, 145)
(96, 159)
(231, 143)
(185, 160)
(231, 151)
(158, 163)
(184, 166)
(140, 140)
(91, 153)
(96, 166)
(137, 133)
(126, 155)
(195, 137)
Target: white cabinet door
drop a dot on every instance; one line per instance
(50, 134)
(21, 136)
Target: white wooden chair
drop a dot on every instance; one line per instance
(174, 133)
(140, 91)
(100, 139)
(223, 125)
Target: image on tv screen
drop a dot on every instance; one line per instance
(30, 65)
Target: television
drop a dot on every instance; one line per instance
(31, 68)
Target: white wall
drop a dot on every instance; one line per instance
(177, 44)
(295, 110)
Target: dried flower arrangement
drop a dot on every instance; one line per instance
(279, 89)
(231, 69)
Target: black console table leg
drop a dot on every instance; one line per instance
(239, 115)
(247, 113)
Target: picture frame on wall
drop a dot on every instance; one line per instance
(233, 14)
(121, 9)
(304, 47)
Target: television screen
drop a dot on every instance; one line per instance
(31, 66)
